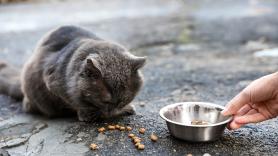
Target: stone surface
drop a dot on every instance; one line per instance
(194, 54)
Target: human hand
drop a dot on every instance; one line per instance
(256, 103)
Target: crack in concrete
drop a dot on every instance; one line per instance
(35, 150)
(17, 134)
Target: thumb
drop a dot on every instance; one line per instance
(236, 103)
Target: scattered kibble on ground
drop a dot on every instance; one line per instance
(136, 140)
(128, 128)
(131, 135)
(135, 137)
(141, 146)
(117, 126)
(154, 137)
(122, 128)
(142, 130)
(94, 146)
(101, 130)
(111, 127)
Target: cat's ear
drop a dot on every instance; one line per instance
(92, 68)
(138, 62)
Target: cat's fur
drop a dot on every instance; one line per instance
(10, 81)
(74, 71)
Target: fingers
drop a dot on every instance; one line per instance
(245, 109)
(234, 125)
(236, 103)
(252, 117)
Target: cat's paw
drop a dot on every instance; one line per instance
(85, 119)
(87, 116)
(128, 110)
(28, 107)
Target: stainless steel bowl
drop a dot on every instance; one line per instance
(181, 119)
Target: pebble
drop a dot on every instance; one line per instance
(100, 137)
(142, 104)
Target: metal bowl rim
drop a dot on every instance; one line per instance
(162, 110)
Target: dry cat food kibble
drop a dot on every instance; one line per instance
(199, 122)
(131, 135)
(122, 128)
(142, 130)
(94, 146)
(137, 140)
(153, 137)
(111, 127)
(101, 130)
(135, 137)
(141, 146)
(117, 126)
(128, 128)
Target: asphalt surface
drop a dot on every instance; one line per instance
(196, 52)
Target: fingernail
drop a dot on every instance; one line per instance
(239, 120)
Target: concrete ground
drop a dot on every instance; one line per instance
(197, 51)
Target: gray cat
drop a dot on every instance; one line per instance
(74, 71)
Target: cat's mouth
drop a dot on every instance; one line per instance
(106, 115)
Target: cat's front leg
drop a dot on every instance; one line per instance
(127, 110)
(88, 115)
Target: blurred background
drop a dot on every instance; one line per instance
(205, 50)
(129, 22)
(139, 23)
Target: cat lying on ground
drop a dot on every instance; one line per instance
(72, 71)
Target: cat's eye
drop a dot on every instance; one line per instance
(89, 75)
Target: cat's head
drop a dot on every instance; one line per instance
(109, 77)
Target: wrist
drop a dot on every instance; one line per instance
(275, 78)
(275, 75)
